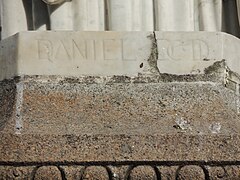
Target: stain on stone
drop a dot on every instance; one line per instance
(182, 124)
(206, 59)
(125, 148)
(215, 128)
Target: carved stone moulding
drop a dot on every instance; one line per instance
(125, 170)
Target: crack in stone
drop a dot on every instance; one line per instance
(152, 67)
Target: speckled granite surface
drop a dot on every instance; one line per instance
(119, 128)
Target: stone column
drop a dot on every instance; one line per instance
(130, 15)
(13, 17)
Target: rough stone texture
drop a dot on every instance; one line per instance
(145, 172)
(13, 172)
(95, 172)
(73, 172)
(119, 127)
(224, 172)
(191, 172)
(47, 172)
(129, 108)
(168, 172)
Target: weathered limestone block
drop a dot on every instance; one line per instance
(74, 53)
(191, 53)
(117, 53)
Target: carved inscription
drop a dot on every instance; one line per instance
(179, 50)
(87, 49)
(119, 49)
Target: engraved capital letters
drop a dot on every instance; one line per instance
(178, 50)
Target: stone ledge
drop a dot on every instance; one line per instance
(127, 170)
(116, 105)
(119, 127)
(120, 148)
(108, 157)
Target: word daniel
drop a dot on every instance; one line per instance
(118, 49)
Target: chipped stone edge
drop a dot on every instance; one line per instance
(152, 61)
(229, 78)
